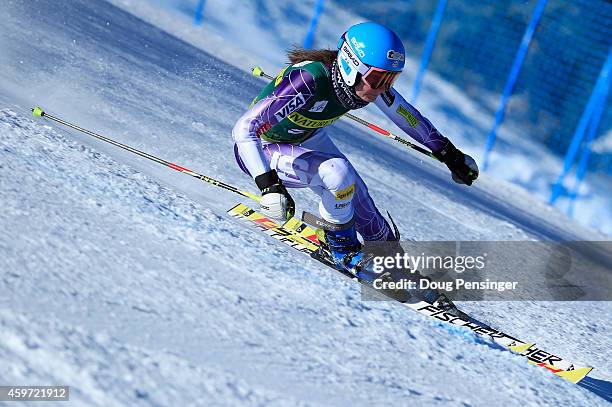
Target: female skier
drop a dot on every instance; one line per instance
(281, 141)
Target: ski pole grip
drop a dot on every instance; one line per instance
(38, 112)
(257, 71)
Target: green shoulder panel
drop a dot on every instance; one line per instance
(321, 111)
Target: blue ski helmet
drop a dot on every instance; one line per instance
(370, 45)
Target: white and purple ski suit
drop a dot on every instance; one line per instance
(284, 130)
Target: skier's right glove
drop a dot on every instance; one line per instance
(462, 166)
(275, 203)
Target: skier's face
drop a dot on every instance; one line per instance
(366, 92)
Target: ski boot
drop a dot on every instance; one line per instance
(434, 297)
(343, 251)
(341, 248)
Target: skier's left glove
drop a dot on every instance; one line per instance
(462, 166)
(275, 203)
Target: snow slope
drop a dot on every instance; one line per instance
(126, 280)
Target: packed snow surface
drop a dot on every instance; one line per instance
(128, 282)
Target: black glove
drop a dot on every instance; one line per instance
(462, 166)
(275, 203)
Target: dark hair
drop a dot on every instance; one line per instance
(298, 54)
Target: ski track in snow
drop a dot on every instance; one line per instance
(127, 281)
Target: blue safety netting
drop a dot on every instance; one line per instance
(478, 41)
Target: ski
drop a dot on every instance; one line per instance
(301, 237)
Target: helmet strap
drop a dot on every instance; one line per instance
(345, 93)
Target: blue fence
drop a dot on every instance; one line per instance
(541, 59)
(312, 27)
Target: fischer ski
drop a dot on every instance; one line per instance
(298, 235)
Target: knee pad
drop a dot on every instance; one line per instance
(338, 177)
(338, 180)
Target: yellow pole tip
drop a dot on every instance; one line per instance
(257, 71)
(38, 112)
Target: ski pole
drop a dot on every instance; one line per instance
(257, 71)
(38, 112)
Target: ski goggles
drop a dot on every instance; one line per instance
(378, 78)
(375, 77)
